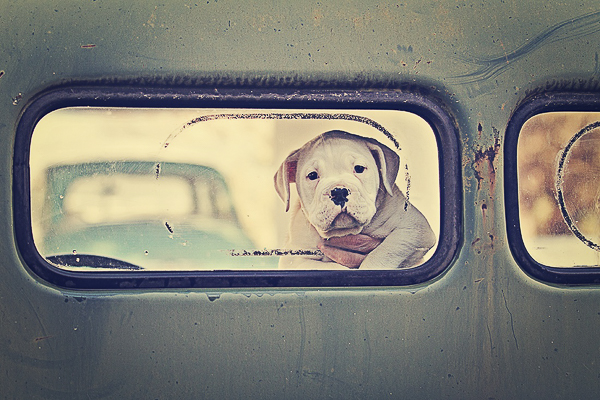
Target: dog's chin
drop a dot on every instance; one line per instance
(344, 221)
(342, 225)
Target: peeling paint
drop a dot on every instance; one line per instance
(484, 171)
(152, 19)
(483, 164)
(17, 99)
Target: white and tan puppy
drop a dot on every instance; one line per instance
(346, 186)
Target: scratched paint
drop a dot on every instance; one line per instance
(490, 67)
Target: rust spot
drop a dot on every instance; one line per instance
(88, 46)
(42, 338)
(483, 165)
(317, 15)
(484, 170)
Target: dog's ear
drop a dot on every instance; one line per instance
(285, 175)
(387, 161)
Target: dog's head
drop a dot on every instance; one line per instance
(338, 177)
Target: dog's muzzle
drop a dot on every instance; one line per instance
(339, 196)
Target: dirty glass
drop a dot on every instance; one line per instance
(194, 189)
(558, 161)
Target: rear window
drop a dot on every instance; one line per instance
(209, 190)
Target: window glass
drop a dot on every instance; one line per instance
(102, 199)
(195, 189)
(558, 161)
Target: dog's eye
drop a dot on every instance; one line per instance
(359, 169)
(312, 175)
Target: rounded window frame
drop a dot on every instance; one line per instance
(534, 105)
(441, 121)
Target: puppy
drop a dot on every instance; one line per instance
(346, 186)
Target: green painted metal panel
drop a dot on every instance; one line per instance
(482, 330)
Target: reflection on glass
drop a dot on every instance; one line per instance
(185, 189)
(559, 188)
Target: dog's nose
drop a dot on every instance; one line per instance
(339, 196)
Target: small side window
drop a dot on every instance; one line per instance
(202, 192)
(553, 178)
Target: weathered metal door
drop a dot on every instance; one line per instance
(506, 306)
